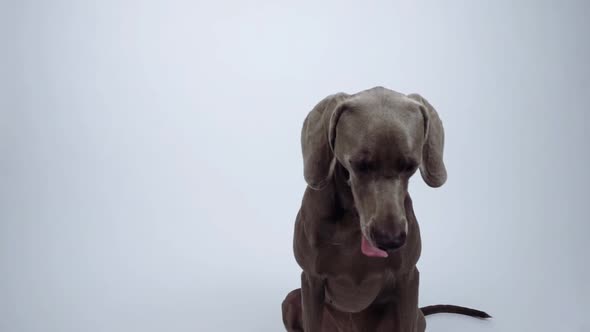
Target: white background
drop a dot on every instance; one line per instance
(151, 170)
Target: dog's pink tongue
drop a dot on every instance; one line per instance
(368, 249)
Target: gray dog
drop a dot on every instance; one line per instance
(356, 236)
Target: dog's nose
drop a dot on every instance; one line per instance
(388, 240)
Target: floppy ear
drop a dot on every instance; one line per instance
(317, 139)
(432, 168)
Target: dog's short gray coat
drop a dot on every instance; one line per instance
(359, 152)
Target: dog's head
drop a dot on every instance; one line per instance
(380, 137)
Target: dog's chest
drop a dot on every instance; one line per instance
(348, 295)
(353, 281)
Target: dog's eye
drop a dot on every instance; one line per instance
(408, 167)
(411, 168)
(363, 166)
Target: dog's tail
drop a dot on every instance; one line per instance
(453, 309)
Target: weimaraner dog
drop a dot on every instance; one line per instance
(356, 236)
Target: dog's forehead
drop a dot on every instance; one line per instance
(383, 143)
(379, 106)
(387, 125)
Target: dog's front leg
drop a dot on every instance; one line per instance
(403, 314)
(312, 298)
(410, 316)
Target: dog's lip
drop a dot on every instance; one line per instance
(371, 251)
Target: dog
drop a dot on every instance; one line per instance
(356, 237)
